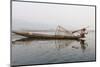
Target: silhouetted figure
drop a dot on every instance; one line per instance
(83, 33)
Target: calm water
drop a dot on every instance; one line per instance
(29, 51)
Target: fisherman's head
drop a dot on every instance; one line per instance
(84, 29)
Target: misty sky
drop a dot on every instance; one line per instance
(27, 15)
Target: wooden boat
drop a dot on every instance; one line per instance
(45, 36)
(49, 36)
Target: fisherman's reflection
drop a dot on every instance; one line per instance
(83, 45)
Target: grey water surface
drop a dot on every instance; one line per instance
(31, 51)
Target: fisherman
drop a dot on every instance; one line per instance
(83, 32)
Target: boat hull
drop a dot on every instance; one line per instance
(45, 36)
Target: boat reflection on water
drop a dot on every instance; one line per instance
(59, 44)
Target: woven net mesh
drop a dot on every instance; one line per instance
(62, 31)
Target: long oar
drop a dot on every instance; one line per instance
(79, 29)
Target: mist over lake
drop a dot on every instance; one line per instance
(48, 16)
